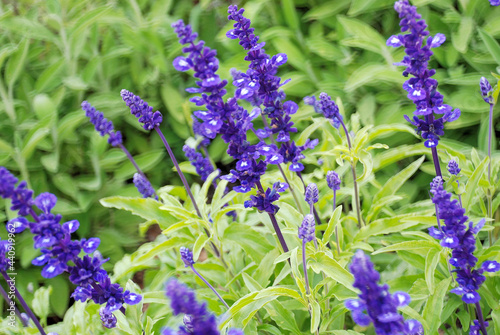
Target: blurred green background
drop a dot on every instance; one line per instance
(55, 54)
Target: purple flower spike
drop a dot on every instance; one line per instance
(140, 109)
(7, 183)
(312, 194)
(143, 186)
(421, 87)
(183, 301)
(308, 228)
(458, 236)
(203, 166)
(495, 2)
(453, 168)
(186, 256)
(333, 180)
(375, 304)
(486, 90)
(101, 124)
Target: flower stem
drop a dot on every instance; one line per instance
(355, 183)
(186, 186)
(10, 303)
(490, 196)
(480, 318)
(435, 158)
(304, 264)
(132, 160)
(179, 172)
(210, 286)
(23, 303)
(275, 223)
(336, 227)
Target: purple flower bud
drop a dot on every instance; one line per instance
(453, 167)
(140, 109)
(101, 124)
(186, 256)
(107, 318)
(307, 230)
(143, 186)
(312, 194)
(333, 180)
(486, 90)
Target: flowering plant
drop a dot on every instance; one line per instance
(291, 213)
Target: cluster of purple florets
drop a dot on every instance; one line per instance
(459, 237)
(102, 125)
(375, 304)
(326, 106)
(202, 164)
(333, 180)
(144, 186)
(197, 318)
(60, 253)
(264, 201)
(141, 110)
(421, 87)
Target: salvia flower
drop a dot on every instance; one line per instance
(203, 166)
(486, 90)
(312, 194)
(495, 2)
(375, 304)
(143, 186)
(326, 106)
(460, 237)
(186, 256)
(308, 228)
(421, 87)
(183, 301)
(453, 167)
(333, 180)
(264, 201)
(60, 253)
(140, 109)
(5, 247)
(102, 125)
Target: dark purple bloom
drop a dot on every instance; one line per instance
(486, 90)
(45, 202)
(375, 304)
(263, 202)
(186, 256)
(87, 270)
(143, 186)
(140, 109)
(308, 228)
(312, 194)
(458, 236)
(203, 166)
(333, 180)
(421, 87)
(495, 2)
(183, 301)
(22, 199)
(17, 225)
(7, 183)
(102, 125)
(453, 167)
(327, 107)
(107, 318)
(5, 247)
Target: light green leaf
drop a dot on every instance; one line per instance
(321, 262)
(491, 44)
(472, 184)
(431, 262)
(15, 64)
(254, 244)
(434, 306)
(334, 220)
(408, 245)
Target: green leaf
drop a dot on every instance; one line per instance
(473, 183)
(321, 262)
(326, 10)
(254, 244)
(408, 245)
(461, 38)
(431, 262)
(395, 183)
(289, 11)
(434, 306)
(40, 303)
(15, 64)
(334, 221)
(386, 226)
(32, 140)
(491, 44)
(148, 209)
(199, 244)
(316, 315)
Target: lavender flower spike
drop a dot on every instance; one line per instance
(495, 2)
(187, 258)
(199, 319)
(312, 194)
(101, 124)
(144, 186)
(140, 109)
(453, 167)
(375, 304)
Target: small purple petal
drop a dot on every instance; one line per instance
(91, 245)
(182, 64)
(491, 266)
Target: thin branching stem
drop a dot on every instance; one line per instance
(210, 286)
